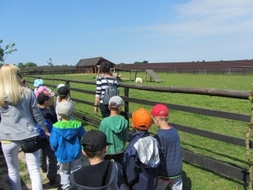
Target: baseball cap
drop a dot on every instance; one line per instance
(63, 91)
(43, 96)
(116, 101)
(65, 108)
(160, 110)
(94, 140)
(59, 86)
(38, 82)
(141, 119)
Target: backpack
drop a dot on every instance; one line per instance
(110, 91)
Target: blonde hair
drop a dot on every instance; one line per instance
(10, 84)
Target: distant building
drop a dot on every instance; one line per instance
(232, 66)
(90, 65)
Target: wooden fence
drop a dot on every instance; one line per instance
(201, 161)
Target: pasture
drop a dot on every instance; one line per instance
(195, 177)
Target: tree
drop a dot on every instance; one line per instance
(21, 65)
(31, 64)
(4, 51)
(138, 62)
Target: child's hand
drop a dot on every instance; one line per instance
(47, 133)
(95, 110)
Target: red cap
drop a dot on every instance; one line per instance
(141, 119)
(160, 110)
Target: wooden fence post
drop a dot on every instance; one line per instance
(67, 84)
(247, 143)
(126, 94)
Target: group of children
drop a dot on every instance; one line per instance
(148, 163)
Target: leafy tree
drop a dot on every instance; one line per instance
(4, 51)
(21, 65)
(138, 62)
(31, 64)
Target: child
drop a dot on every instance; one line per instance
(63, 95)
(170, 169)
(141, 157)
(58, 97)
(45, 103)
(116, 129)
(100, 174)
(65, 141)
(39, 84)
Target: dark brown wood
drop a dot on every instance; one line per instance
(202, 111)
(216, 166)
(211, 135)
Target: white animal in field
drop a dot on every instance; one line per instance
(138, 80)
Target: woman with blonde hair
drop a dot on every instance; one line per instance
(19, 113)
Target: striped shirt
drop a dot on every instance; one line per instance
(102, 84)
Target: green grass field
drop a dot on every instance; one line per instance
(195, 178)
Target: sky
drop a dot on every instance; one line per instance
(126, 31)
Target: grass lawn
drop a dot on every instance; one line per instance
(194, 177)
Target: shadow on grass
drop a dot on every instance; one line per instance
(244, 184)
(210, 151)
(186, 181)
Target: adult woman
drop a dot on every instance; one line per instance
(19, 112)
(102, 84)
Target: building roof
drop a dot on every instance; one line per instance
(91, 62)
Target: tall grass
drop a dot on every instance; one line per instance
(195, 178)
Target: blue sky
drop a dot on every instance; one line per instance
(126, 31)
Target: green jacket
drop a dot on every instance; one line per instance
(116, 130)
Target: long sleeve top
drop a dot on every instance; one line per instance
(19, 121)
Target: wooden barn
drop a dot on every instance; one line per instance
(90, 65)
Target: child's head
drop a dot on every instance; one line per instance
(94, 143)
(63, 92)
(38, 82)
(141, 119)
(59, 86)
(65, 109)
(44, 99)
(115, 103)
(160, 113)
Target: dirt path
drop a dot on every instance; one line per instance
(4, 179)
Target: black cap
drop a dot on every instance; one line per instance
(63, 91)
(43, 96)
(94, 140)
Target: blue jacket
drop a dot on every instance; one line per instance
(65, 140)
(140, 162)
(170, 153)
(49, 118)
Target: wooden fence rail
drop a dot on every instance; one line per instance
(211, 164)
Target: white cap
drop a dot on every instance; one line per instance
(59, 86)
(65, 109)
(116, 101)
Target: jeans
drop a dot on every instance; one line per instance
(104, 110)
(66, 169)
(10, 151)
(48, 155)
